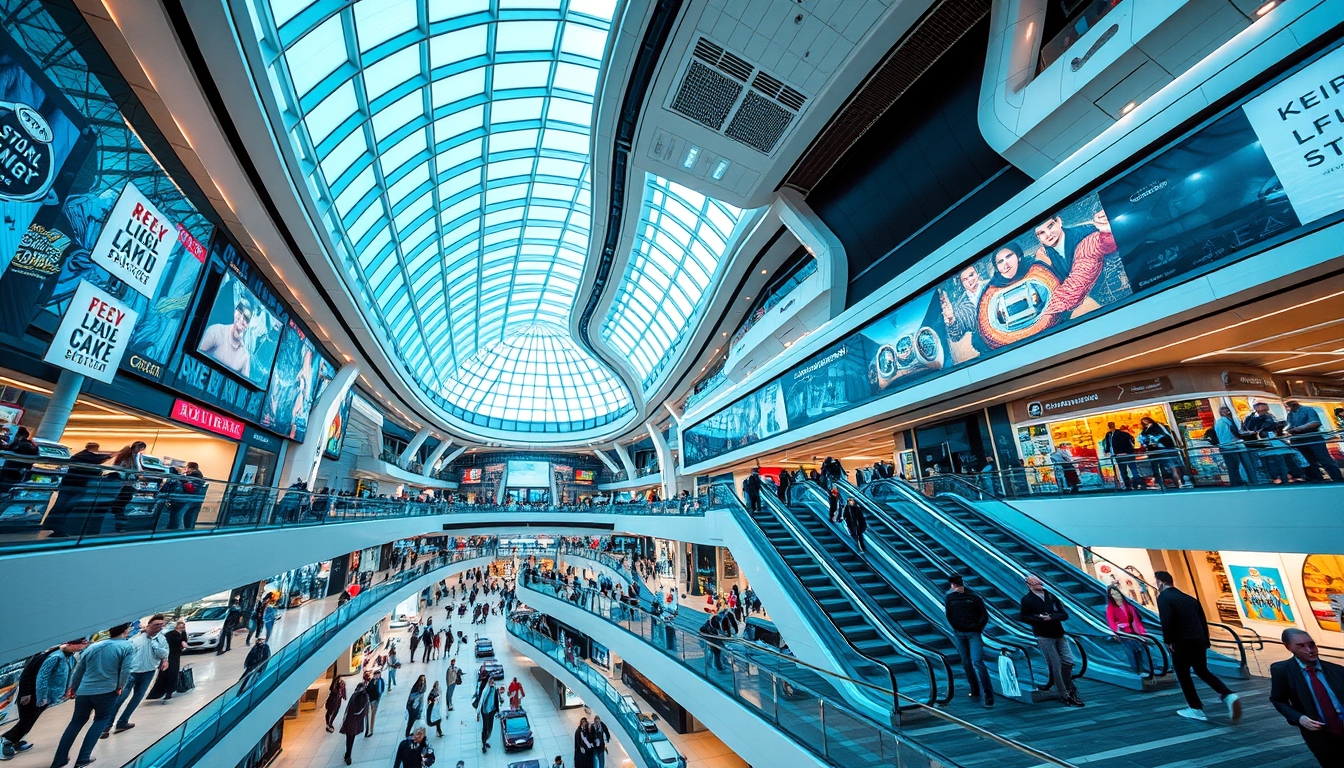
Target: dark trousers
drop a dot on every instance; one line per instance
(133, 694)
(1326, 747)
(971, 648)
(349, 744)
(428, 648)
(858, 540)
(1235, 461)
(754, 502)
(331, 716)
(1129, 476)
(28, 714)
(102, 707)
(487, 728)
(1318, 458)
(1187, 656)
(225, 643)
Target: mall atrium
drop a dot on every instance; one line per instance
(686, 383)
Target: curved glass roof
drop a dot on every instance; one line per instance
(681, 238)
(446, 145)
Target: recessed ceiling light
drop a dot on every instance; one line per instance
(1125, 110)
(764, 271)
(1267, 7)
(691, 154)
(720, 168)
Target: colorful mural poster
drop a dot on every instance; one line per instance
(1323, 581)
(1262, 594)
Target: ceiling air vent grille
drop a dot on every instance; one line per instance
(711, 93)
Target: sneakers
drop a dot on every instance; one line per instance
(1075, 701)
(125, 727)
(23, 746)
(7, 751)
(1193, 714)
(1233, 703)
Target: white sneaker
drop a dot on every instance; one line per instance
(1233, 703)
(1193, 714)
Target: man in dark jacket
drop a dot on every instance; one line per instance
(62, 520)
(856, 522)
(1186, 633)
(967, 615)
(1046, 615)
(751, 488)
(15, 471)
(1309, 692)
(256, 659)
(1119, 445)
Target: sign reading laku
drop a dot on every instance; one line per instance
(93, 334)
(135, 242)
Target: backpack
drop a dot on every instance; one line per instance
(1211, 436)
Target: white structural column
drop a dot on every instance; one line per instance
(607, 460)
(667, 465)
(302, 459)
(432, 464)
(674, 410)
(624, 456)
(413, 447)
(458, 451)
(820, 241)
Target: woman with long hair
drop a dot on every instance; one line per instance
(127, 465)
(1124, 619)
(415, 703)
(583, 745)
(436, 722)
(355, 712)
(335, 695)
(165, 685)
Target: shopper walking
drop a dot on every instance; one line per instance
(257, 657)
(415, 641)
(1125, 621)
(1304, 424)
(426, 642)
(1307, 691)
(393, 664)
(432, 712)
(231, 619)
(356, 713)
(1046, 616)
(415, 703)
(151, 655)
(601, 737)
(785, 485)
(857, 523)
(375, 689)
(102, 673)
(44, 682)
(414, 751)
(268, 616)
(583, 745)
(254, 622)
(486, 711)
(1186, 634)
(165, 685)
(452, 679)
(335, 695)
(968, 616)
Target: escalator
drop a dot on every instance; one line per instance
(1006, 555)
(861, 606)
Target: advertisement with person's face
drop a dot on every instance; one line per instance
(293, 386)
(336, 431)
(240, 334)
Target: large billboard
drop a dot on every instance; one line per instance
(1209, 198)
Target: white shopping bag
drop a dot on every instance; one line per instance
(1008, 677)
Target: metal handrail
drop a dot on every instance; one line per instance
(754, 649)
(887, 627)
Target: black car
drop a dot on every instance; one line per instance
(495, 669)
(484, 648)
(517, 730)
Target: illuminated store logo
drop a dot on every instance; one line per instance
(193, 414)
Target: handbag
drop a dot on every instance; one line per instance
(1008, 677)
(186, 680)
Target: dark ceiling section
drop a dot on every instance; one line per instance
(920, 175)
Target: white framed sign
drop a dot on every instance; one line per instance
(1300, 123)
(93, 335)
(135, 241)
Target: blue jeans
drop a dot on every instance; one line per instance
(270, 629)
(971, 647)
(1137, 657)
(136, 688)
(391, 676)
(102, 707)
(600, 759)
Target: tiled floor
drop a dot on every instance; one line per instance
(153, 719)
(308, 745)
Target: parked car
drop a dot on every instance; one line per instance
(484, 648)
(495, 669)
(517, 730)
(204, 626)
(664, 752)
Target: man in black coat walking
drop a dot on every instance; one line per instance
(967, 614)
(1308, 692)
(751, 488)
(1186, 634)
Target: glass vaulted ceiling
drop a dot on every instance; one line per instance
(446, 144)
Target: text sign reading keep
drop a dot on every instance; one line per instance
(1300, 123)
(135, 241)
(93, 334)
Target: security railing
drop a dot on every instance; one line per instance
(653, 747)
(779, 689)
(189, 742)
(52, 503)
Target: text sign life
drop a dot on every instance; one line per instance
(135, 241)
(93, 335)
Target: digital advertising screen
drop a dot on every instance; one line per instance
(240, 334)
(336, 432)
(584, 475)
(1204, 200)
(529, 474)
(471, 476)
(294, 385)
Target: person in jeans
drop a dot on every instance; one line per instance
(1125, 621)
(601, 737)
(1304, 424)
(44, 682)
(99, 678)
(967, 615)
(1119, 444)
(1186, 634)
(1232, 448)
(1046, 616)
(375, 688)
(151, 655)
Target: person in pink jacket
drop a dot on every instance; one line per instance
(1125, 621)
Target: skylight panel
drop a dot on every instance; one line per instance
(575, 77)
(386, 74)
(463, 85)
(583, 40)
(522, 74)
(377, 22)
(316, 55)
(458, 45)
(524, 35)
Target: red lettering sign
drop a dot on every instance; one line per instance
(192, 245)
(190, 413)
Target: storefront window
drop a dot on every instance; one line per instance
(258, 466)
(1192, 419)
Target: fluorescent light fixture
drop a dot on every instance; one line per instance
(691, 155)
(1266, 8)
(720, 168)
(1125, 110)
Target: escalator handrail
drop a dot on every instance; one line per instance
(1082, 612)
(962, 482)
(775, 562)
(885, 625)
(1017, 633)
(785, 660)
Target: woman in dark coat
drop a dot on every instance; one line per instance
(355, 711)
(583, 746)
(335, 695)
(856, 522)
(165, 685)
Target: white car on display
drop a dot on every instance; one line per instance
(204, 626)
